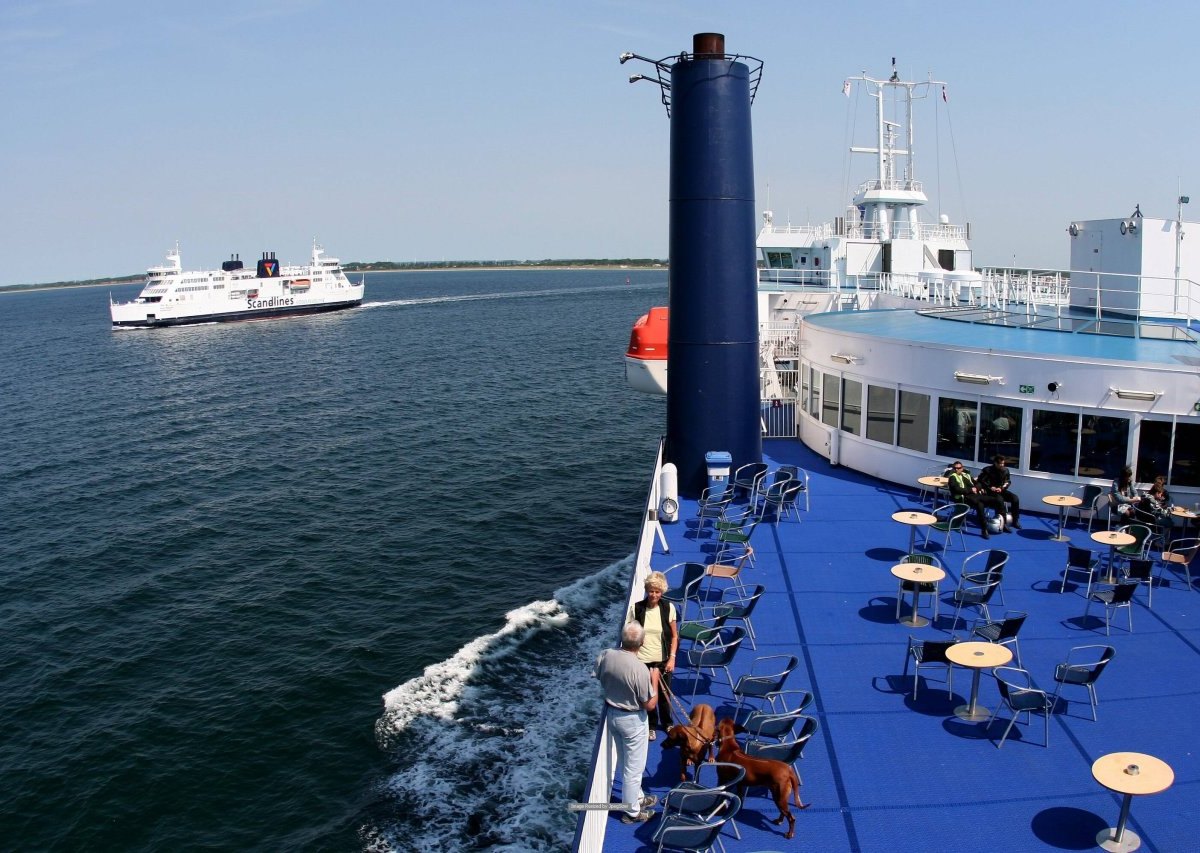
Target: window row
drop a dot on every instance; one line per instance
(1071, 443)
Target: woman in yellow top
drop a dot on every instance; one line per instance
(660, 644)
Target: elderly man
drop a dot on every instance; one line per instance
(630, 690)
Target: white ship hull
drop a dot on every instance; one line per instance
(174, 297)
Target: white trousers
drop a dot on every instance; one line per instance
(632, 738)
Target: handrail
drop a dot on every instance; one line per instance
(591, 825)
(1147, 301)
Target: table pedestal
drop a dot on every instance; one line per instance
(1062, 518)
(971, 712)
(1118, 839)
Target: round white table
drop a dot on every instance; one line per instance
(1113, 539)
(1129, 773)
(913, 519)
(978, 657)
(1062, 502)
(917, 573)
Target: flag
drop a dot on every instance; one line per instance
(846, 88)
(945, 99)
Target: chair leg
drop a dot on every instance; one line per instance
(1092, 695)
(1007, 729)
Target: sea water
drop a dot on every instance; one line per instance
(322, 583)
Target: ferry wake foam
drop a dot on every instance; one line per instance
(508, 711)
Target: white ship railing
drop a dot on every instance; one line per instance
(899, 230)
(591, 825)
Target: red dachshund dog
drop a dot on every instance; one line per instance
(779, 777)
(695, 740)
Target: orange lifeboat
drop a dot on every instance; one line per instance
(646, 358)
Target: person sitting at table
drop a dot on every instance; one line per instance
(1157, 501)
(995, 480)
(964, 490)
(1123, 495)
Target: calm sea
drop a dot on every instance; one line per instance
(327, 583)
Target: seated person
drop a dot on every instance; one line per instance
(964, 490)
(995, 481)
(1123, 495)
(1157, 501)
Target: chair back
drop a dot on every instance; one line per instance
(1080, 558)
(923, 559)
(719, 649)
(1123, 593)
(951, 516)
(1186, 548)
(1089, 495)
(1089, 672)
(790, 751)
(741, 607)
(758, 683)
(1011, 626)
(979, 593)
(1140, 569)
(684, 832)
(1017, 689)
(762, 724)
(996, 560)
(719, 775)
(1140, 534)
(934, 651)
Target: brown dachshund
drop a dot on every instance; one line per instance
(695, 740)
(761, 772)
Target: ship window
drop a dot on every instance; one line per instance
(1185, 467)
(956, 428)
(852, 407)
(881, 414)
(829, 407)
(779, 260)
(1103, 446)
(1154, 450)
(1000, 432)
(814, 402)
(1053, 442)
(914, 421)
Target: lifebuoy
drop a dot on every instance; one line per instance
(1124, 228)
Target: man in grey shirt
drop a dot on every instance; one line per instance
(630, 690)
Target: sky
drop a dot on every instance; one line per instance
(397, 130)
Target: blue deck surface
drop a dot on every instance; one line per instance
(888, 773)
(910, 325)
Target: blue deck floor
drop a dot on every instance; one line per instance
(886, 772)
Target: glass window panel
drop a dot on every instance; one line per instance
(1052, 441)
(829, 406)
(1185, 467)
(1154, 450)
(914, 421)
(805, 389)
(1103, 447)
(956, 428)
(852, 407)
(881, 414)
(814, 408)
(999, 433)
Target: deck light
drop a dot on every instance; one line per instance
(845, 358)
(977, 378)
(1126, 394)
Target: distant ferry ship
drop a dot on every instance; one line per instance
(173, 297)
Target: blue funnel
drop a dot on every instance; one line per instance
(712, 367)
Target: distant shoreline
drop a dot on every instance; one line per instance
(355, 268)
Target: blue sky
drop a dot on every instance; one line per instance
(481, 130)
